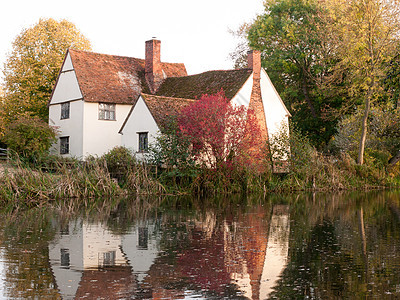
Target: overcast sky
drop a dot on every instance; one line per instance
(195, 33)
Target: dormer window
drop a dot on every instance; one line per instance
(65, 110)
(106, 111)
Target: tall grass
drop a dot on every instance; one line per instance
(114, 175)
(24, 187)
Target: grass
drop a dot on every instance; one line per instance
(23, 187)
(72, 184)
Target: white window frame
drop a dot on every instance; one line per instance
(107, 111)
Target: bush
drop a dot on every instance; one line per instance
(120, 161)
(29, 137)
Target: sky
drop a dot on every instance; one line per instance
(196, 33)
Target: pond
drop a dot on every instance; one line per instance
(307, 246)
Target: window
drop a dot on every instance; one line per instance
(65, 258)
(143, 238)
(106, 111)
(109, 259)
(143, 142)
(64, 145)
(64, 110)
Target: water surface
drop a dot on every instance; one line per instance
(308, 246)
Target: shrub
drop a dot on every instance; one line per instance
(29, 137)
(222, 133)
(120, 160)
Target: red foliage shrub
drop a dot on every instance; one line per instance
(222, 134)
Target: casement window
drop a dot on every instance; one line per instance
(109, 258)
(65, 259)
(65, 107)
(143, 142)
(143, 238)
(106, 111)
(64, 145)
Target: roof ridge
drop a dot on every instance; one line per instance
(228, 70)
(121, 56)
(104, 54)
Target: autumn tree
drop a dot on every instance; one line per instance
(222, 133)
(32, 66)
(2, 122)
(369, 38)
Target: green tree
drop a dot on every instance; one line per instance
(298, 54)
(32, 66)
(30, 137)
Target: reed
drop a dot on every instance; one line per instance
(24, 187)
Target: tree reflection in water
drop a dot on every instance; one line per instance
(294, 247)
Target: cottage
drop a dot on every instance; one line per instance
(102, 101)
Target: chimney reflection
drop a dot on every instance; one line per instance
(241, 255)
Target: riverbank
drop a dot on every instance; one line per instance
(24, 185)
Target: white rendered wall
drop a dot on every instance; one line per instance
(67, 90)
(71, 127)
(67, 87)
(243, 96)
(276, 113)
(140, 120)
(100, 136)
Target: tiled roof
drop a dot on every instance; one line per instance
(194, 86)
(114, 79)
(162, 108)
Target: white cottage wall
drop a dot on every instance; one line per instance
(67, 87)
(140, 120)
(276, 113)
(67, 90)
(100, 136)
(71, 127)
(244, 94)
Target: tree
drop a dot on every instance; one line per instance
(369, 34)
(297, 51)
(2, 122)
(172, 149)
(222, 133)
(32, 67)
(30, 137)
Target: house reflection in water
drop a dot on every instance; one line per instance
(277, 250)
(250, 252)
(241, 255)
(88, 260)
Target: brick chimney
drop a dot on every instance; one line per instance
(256, 102)
(153, 70)
(254, 62)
